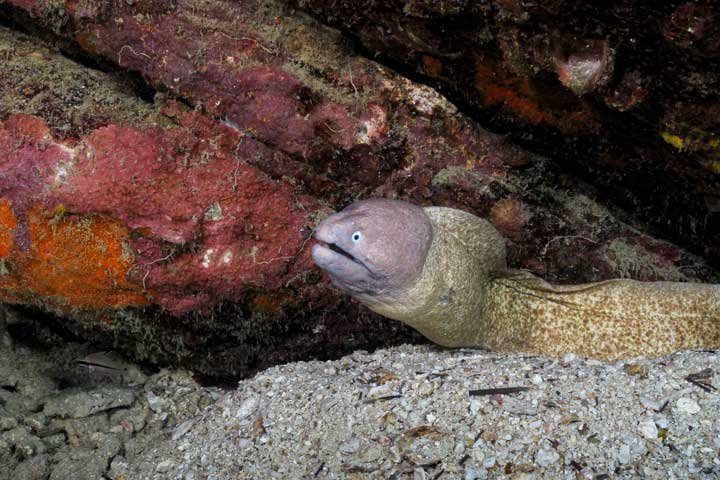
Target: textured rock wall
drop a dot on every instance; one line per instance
(165, 205)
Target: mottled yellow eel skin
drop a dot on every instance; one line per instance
(460, 293)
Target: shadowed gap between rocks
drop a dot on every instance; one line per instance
(672, 207)
(540, 140)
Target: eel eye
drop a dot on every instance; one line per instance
(356, 237)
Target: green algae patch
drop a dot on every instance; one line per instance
(633, 261)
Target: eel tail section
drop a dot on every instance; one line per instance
(609, 320)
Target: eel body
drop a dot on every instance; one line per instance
(443, 272)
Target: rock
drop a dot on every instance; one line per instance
(647, 428)
(7, 422)
(129, 421)
(35, 468)
(247, 408)
(137, 220)
(24, 443)
(79, 431)
(107, 445)
(516, 406)
(182, 429)
(118, 468)
(164, 466)
(382, 391)
(349, 446)
(79, 403)
(78, 464)
(536, 379)
(254, 260)
(546, 457)
(569, 358)
(157, 404)
(87, 462)
(623, 454)
(37, 421)
(475, 473)
(687, 406)
(651, 404)
(525, 69)
(54, 442)
(17, 404)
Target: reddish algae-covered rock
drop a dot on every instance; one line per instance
(75, 263)
(168, 187)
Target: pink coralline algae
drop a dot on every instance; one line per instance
(201, 224)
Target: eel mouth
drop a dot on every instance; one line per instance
(343, 253)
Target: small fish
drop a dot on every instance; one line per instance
(109, 367)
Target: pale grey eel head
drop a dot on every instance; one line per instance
(373, 247)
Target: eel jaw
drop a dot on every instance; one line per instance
(346, 271)
(330, 257)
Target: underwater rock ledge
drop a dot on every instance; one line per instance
(180, 234)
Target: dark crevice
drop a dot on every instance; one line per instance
(653, 187)
(39, 329)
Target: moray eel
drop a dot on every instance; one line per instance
(443, 272)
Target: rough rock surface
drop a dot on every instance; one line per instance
(62, 418)
(183, 218)
(109, 202)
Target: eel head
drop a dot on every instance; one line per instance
(373, 247)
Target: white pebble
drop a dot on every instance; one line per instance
(545, 458)
(651, 404)
(164, 466)
(569, 358)
(687, 405)
(247, 407)
(623, 455)
(647, 428)
(472, 474)
(380, 391)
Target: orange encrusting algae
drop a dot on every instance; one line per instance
(8, 222)
(75, 262)
(514, 93)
